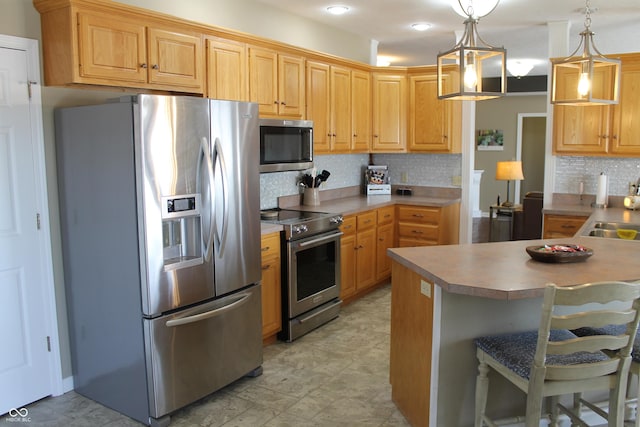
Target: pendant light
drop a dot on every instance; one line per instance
(588, 79)
(462, 69)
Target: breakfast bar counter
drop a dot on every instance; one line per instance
(445, 296)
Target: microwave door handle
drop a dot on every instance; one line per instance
(208, 314)
(204, 148)
(219, 156)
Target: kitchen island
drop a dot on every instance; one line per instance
(444, 296)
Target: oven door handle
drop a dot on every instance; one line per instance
(320, 239)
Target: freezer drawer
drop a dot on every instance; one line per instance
(197, 351)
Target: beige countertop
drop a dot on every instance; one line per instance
(504, 270)
(357, 204)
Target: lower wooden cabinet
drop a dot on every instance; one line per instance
(556, 226)
(385, 239)
(348, 258)
(271, 291)
(426, 225)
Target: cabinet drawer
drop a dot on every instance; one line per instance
(405, 242)
(366, 220)
(418, 231)
(386, 215)
(421, 214)
(270, 245)
(562, 226)
(348, 226)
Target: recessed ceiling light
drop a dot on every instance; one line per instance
(421, 26)
(337, 10)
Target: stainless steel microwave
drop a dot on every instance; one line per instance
(285, 145)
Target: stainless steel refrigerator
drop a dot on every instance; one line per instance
(159, 202)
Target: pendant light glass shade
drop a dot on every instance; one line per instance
(588, 78)
(462, 69)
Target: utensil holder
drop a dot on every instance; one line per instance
(311, 197)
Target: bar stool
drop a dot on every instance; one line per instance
(554, 361)
(634, 369)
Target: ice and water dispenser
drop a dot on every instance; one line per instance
(181, 231)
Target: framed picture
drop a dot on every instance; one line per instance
(490, 140)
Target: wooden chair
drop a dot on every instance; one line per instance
(553, 361)
(634, 369)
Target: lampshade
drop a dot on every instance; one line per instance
(588, 79)
(509, 171)
(462, 69)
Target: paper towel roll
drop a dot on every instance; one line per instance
(601, 195)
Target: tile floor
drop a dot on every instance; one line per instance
(337, 375)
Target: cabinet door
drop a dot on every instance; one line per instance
(384, 241)
(347, 266)
(432, 124)
(113, 49)
(579, 129)
(389, 113)
(227, 70)
(626, 125)
(271, 292)
(263, 80)
(340, 110)
(360, 111)
(318, 108)
(291, 86)
(366, 252)
(175, 59)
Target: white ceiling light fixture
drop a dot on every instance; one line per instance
(421, 26)
(520, 67)
(337, 10)
(461, 70)
(474, 8)
(588, 79)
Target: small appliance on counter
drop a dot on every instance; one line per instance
(376, 180)
(632, 201)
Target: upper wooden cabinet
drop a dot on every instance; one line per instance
(434, 125)
(389, 112)
(339, 103)
(276, 83)
(360, 111)
(625, 123)
(608, 130)
(90, 47)
(227, 70)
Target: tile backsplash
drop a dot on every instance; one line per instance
(436, 170)
(570, 171)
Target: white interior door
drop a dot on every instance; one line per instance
(26, 358)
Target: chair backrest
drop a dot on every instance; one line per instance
(591, 299)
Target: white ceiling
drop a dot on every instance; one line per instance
(518, 25)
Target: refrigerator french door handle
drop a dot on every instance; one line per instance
(219, 155)
(208, 314)
(208, 245)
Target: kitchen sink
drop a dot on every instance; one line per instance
(614, 230)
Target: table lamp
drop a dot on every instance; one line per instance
(509, 171)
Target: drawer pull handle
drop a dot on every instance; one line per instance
(418, 215)
(266, 267)
(266, 248)
(416, 231)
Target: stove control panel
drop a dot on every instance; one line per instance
(299, 229)
(336, 220)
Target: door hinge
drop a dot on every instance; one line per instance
(49, 344)
(29, 83)
(38, 221)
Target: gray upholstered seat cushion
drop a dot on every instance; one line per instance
(612, 330)
(516, 351)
